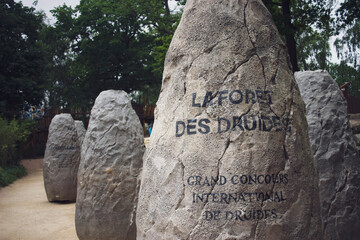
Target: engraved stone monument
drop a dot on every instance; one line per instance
(335, 153)
(108, 178)
(61, 160)
(229, 155)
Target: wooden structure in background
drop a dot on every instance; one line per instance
(145, 113)
(352, 101)
(35, 147)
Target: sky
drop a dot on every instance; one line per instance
(47, 5)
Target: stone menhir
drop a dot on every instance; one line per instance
(335, 153)
(229, 156)
(61, 160)
(108, 177)
(80, 129)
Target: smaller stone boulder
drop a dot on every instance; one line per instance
(108, 177)
(61, 161)
(335, 153)
(80, 129)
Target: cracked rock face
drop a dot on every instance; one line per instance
(335, 153)
(108, 177)
(229, 155)
(61, 160)
(80, 129)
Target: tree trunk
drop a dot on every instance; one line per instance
(290, 35)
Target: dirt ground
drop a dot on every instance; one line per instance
(25, 213)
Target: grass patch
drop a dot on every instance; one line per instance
(10, 174)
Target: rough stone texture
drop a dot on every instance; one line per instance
(111, 161)
(335, 153)
(80, 129)
(61, 160)
(220, 47)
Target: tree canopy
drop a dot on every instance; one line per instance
(349, 22)
(348, 45)
(108, 45)
(307, 27)
(103, 44)
(22, 58)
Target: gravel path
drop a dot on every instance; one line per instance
(25, 213)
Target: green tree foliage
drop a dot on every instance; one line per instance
(57, 41)
(313, 50)
(348, 46)
(13, 134)
(108, 44)
(22, 58)
(349, 12)
(10, 174)
(113, 49)
(305, 28)
(103, 44)
(162, 23)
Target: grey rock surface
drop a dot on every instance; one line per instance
(229, 154)
(80, 129)
(335, 153)
(61, 160)
(108, 178)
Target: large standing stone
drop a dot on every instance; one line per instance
(61, 161)
(335, 153)
(111, 161)
(229, 156)
(80, 129)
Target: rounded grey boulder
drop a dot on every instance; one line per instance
(335, 153)
(61, 160)
(108, 178)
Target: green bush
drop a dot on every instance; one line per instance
(10, 174)
(12, 135)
